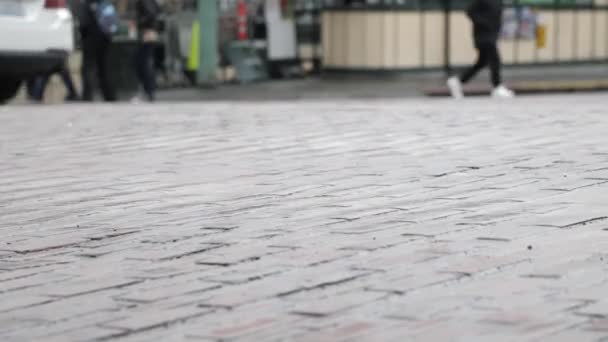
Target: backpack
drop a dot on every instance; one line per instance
(107, 17)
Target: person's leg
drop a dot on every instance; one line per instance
(455, 83)
(31, 88)
(144, 69)
(482, 61)
(64, 72)
(102, 71)
(87, 69)
(138, 65)
(495, 65)
(39, 85)
(146, 63)
(160, 64)
(500, 91)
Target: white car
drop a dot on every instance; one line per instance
(36, 37)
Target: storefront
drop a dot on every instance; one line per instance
(426, 34)
(281, 31)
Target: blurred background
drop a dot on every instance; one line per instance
(211, 43)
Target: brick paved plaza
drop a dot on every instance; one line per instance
(312, 221)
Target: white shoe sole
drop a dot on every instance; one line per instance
(455, 88)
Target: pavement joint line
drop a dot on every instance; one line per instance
(585, 222)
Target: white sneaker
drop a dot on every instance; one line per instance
(502, 92)
(455, 87)
(139, 100)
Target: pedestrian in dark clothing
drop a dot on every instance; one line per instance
(95, 47)
(147, 16)
(37, 85)
(486, 16)
(33, 88)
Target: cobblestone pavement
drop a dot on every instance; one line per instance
(311, 221)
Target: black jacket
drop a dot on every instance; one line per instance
(89, 27)
(487, 20)
(146, 14)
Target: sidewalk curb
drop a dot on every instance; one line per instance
(527, 87)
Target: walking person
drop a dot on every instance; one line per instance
(37, 86)
(486, 16)
(147, 14)
(95, 47)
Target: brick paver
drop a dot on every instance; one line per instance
(310, 221)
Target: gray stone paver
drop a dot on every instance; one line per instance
(306, 221)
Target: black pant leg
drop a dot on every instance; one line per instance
(88, 67)
(145, 70)
(495, 65)
(482, 61)
(39, 84)
(102, 70)
(64, 72)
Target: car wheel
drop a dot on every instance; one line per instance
(8, 88)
